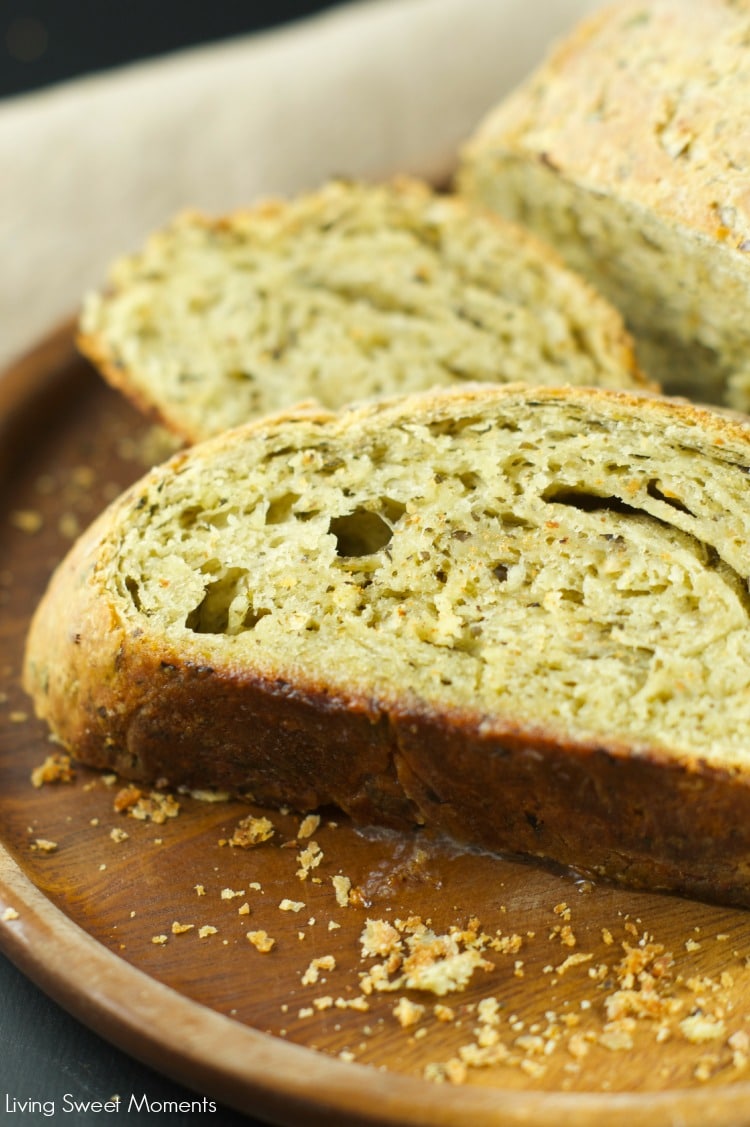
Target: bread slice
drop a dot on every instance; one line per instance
(519, 616)
(628, 150)
(348, 293)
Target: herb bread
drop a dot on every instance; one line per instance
(517, 615)
(348, 293)
(629, 150)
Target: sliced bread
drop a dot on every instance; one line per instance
(348, 293)
(517, 615)
(628, 150)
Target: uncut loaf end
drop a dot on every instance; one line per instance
(517, 615)
(351, 292)
(628, 149)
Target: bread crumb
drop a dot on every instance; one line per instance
(342, 888)
(421, 960)
(291, 905)
(178, 929)
(360, 1003)
(117, 834)
(312, 974)
(55, 769)
(251, 831)
(42, 845)
(155, 807)
(407, 1012)
(261, 941)
(10, 914)
(700, 1027)
(27, 520)
(572, 961)
(201, 795)
(308, 826)
(159, 940)
(206, 930)
(230, 894)
(244, 909)
(309, 859)
(199, 889)
(506, 944)
(68, 526)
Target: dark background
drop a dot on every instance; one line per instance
(43, 1051)
(47, 41)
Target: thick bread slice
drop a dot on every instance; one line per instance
(348, 293)
(628, 149)
(518, 615)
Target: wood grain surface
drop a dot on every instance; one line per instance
(591, 1002)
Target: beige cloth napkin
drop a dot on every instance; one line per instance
(87, 168)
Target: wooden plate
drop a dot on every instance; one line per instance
(598, 1003)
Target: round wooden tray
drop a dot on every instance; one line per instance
(250, 1028)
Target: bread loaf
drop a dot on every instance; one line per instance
(345, 294)
(628, 150)
(519, 616)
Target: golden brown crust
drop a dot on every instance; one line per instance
(644, 101)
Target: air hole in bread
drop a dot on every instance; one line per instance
(654, 490)
(586, 501)
(280, 509)
(364, 532)
(225, 607)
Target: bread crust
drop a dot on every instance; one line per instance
(627, 150)
(125, 700)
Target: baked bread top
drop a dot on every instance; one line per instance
(348, 293)
(648, 100)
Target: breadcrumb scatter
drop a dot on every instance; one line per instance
(117, 834)
(10, 914)
(206, 930)
(200, 889)
(309, 859)
(261, 941)
(180, 929)
(155, 806)
(159, 940)
(312, 974)
(291, 905)
(418, 959)
(231, 894)
(42, 845)
(251, 831)
(55, 769)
